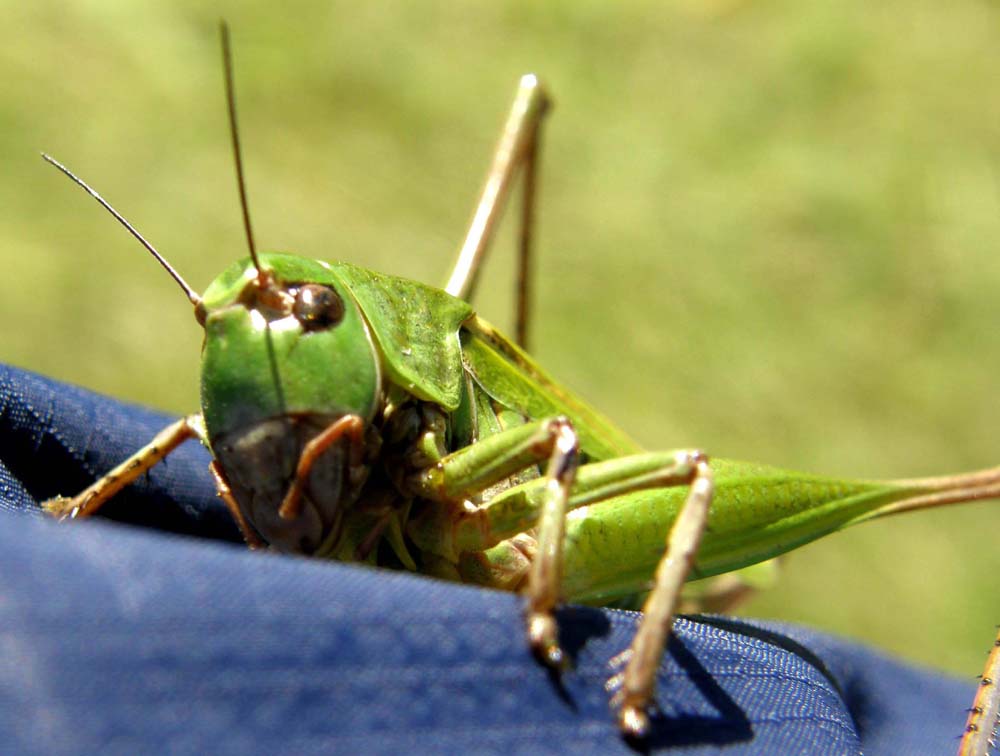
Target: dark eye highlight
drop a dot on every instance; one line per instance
(317, 307)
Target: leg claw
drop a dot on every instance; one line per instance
(543, 638)
(60, 507)
(633, 722)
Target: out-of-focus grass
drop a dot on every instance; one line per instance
(771, 230)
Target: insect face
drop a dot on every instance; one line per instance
(284, 360)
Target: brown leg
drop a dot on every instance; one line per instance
(518, 146)
(94, 497)
(638, 681)
(226, 494)
(980, 735)
(545, 577)
(350, 425)
(724, 593)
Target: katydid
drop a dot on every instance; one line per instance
(359, 416)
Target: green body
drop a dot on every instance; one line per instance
(404, 349)
(758, 512)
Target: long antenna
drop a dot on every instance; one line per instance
(191, 295)
(227, 63)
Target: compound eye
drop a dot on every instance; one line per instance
(318, 307)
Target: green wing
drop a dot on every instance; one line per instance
(416, 328)
(511, 378)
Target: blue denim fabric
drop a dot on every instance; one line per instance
(121, 639)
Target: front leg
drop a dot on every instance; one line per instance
(477, 467)
(87, 502)
(545, 577)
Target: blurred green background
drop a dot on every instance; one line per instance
(770, 230)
